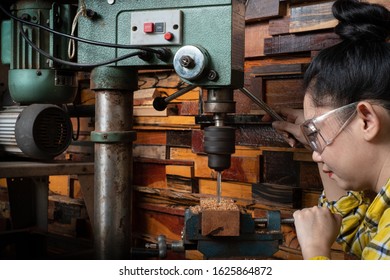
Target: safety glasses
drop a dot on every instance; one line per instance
(323, 130)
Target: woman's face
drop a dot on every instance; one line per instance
(345, 158)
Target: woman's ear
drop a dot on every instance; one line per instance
(369, 119)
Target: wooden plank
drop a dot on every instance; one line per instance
(279, 26)
(182, 184)
(299, 43)
(179, 138)
(309, 176)
(254, 39)
(284, 92)
(188, 108)
(317, 16)
(279, 69)
(176, 121)
(279, 168)
(232, 190)
(151, 174)
(313, 16)
(157, 220)
(264, 9)
(150, 151)
(180, 170)
(150, 111)
(145, 96)
(151, 137)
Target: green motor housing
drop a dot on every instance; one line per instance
(33, 78)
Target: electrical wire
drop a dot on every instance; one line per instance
(72, 43)
(83, 40)
(74, 64)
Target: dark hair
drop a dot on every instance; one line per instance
(358, 67)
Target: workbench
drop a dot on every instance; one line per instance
(28, 188)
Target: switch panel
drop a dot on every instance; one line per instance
(156, 28)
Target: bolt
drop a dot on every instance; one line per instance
(111, 2)
(212, 75)
(39, 73)
(187, 61)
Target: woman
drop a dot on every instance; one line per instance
(347, 125)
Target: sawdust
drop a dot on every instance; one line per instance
(212, 204)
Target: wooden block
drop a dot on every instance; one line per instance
(157, 219)
(188, 108)
(279, 69)
(179, 138)
(279, 26)
(220, 222)
(149, 173)
(299, 43)
(254, 39)
(180, 170)
(264, 9)
(149, 110)
(145, 97)
(279, 168)
(149, 151)
(170, 121)
(309, 176)
(151, 137)
(313, 16)
(3, 182)
(59, 185)
(259, 136)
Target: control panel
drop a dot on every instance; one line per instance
(156, 28)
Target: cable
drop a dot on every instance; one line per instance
(74, 64)
(91, 42)
(72, 44)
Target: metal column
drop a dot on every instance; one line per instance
(114, 88)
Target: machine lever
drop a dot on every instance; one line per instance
(161, 103)
(262, 104)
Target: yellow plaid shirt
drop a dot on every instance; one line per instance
(365, 229)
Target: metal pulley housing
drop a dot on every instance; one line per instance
(191, 62)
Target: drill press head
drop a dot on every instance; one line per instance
(219, 140)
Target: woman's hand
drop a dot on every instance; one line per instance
(290, 129)
(317, 229)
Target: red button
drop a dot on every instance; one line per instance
(168, 36)
(148, 27)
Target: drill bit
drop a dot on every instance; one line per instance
(219, 186)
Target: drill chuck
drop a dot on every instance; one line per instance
(219, 144)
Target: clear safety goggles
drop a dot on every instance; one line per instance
(323, 130)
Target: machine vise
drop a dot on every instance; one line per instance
(249, 238)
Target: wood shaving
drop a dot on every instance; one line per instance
(212, 204)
